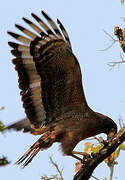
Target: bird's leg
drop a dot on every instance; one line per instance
(86, 155)
(76, 157)
(81, 153)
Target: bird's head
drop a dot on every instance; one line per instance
(110, 127)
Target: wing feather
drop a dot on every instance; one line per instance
(49, 73)
(52, 24)
(26, 31)
(64, 32)
(43, 25)
(20, 38)
(31, 24)
(23, 124)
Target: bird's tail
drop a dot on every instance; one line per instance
(42, 143)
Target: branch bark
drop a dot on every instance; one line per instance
(92, 162)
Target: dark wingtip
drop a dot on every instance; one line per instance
(45, 15)
(26, 20)
(59, 22)
(35, 17)
(13, 45)
(42, 12)
(13, 34)
(19, 27)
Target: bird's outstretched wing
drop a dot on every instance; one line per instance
(49, 74)
(22, 124)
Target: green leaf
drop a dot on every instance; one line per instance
(122, 146)
(4, 161)
(1, 127)
(97, 148)
(115, 154)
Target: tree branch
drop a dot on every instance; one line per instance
(92, 162)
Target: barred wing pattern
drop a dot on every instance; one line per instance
(49, 74)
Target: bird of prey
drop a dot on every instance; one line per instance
(51, 87)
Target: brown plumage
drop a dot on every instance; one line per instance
(51, 89)
(23, 124)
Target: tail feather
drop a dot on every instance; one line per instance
(43, 142)
(30, 154)
(24, 157)
(33, 154)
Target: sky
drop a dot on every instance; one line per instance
(85, 22)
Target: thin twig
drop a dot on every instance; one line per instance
(54, 177)
(111, 172)
(95, 177)
(116, 63)
(112, 39)
(57, 168)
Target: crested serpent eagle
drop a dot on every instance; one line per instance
(50, 81)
